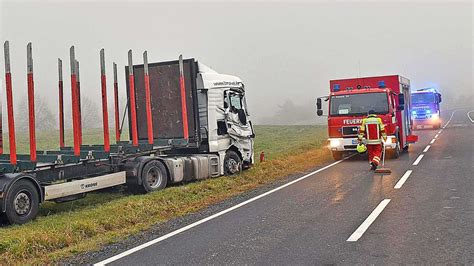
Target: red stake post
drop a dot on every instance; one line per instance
(79, 118)
(116, 106)
(11, 119)
(61, 104)
(133, 111)
(31, 102)
(182, 87)
(149, 120)
(105, 114)
(75, 104)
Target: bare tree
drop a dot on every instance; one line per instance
(44, 117)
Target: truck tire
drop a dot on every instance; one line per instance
(154, 177)
(22, 202)
(337, 155)
(232, 163)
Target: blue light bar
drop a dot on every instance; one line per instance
(381, 84)
(336, 87)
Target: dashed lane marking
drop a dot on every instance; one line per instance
(427, 148)
(365, 225)
(432, 141)
(417, 161)
(403, 179)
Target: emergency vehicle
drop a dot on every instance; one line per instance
(351, 99)
(426, 108)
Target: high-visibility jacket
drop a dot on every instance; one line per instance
(373, 129)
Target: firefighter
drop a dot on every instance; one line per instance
(372, 130)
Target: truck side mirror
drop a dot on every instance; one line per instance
(401, 102)
(439, 98)
(319, 111)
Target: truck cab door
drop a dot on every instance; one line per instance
(239, 126)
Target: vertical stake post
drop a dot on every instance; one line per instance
(61, 104)
(11, 118)
(31, 101)
(105, 112)
(75, 104)
(149, 120)
(133, 111)
(79, 116)
(116, 106)
(184, 111)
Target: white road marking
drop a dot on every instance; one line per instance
(469, 116)
(449, 119)
(365, 225)
(427, 148)
(439, 132)
(436, 136)
(403, 179)
(187, 227)
(417, 161)
(432, 141)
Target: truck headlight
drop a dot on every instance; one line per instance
(334, 143)
(435, 116)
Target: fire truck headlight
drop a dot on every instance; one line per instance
(413, 112)
(428, 111)
(334, 143)
(435, 116)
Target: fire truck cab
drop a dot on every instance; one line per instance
(351, 99)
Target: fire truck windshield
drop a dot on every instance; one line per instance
(358, 104)
(418, 98)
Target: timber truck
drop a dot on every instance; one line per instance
(426, 108)
(351, 99)
(186, 121)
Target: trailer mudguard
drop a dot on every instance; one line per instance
(134, 168)
(7, 180)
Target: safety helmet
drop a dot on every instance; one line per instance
(361, 148)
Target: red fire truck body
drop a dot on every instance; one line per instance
(351, 99)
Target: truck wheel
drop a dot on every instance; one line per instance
(22, 202)
(232, 163)
(337, 155)
(154, 177)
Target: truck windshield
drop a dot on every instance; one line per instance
(417, 98)
(359, 104)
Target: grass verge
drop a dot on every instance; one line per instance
(103, 218)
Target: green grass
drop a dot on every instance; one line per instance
(62, 230)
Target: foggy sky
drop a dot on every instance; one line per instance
(281, 50)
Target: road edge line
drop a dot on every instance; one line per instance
(190, 226)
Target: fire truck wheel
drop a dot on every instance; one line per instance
(337, 155)
(154, 177)
(232, 163)
(22, 202)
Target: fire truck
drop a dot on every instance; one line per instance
(350, 100)
(426, 108)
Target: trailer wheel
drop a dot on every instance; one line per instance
(22, 202)
(337, 155)
(154, 176)
(232, 163)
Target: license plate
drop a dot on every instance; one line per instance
(354, 141)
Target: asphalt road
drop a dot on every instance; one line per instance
(345, 214)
